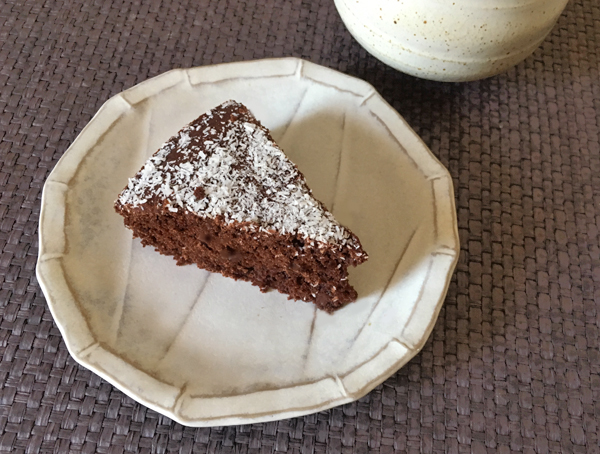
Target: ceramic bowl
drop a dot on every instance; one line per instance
(450, 40)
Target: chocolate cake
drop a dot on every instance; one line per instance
(221, 194)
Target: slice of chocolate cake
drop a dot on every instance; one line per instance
(221, 194)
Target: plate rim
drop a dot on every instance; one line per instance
(80, 340)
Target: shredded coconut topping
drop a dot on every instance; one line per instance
(229, 160)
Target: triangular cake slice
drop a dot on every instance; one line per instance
(221, 194)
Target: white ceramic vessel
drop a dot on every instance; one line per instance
(207, 350)
(450, 40)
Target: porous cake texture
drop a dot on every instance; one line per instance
(222, 194)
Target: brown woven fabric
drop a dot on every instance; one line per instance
(513, 362)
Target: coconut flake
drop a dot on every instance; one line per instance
(246, 178)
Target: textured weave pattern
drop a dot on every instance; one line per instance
(513, 362)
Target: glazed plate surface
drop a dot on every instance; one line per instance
(206, 350)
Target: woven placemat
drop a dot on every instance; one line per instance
(513, 362)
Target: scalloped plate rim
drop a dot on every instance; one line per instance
(81, 355)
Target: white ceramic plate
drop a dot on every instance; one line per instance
(206, 350)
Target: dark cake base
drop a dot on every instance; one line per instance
(269, 260)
